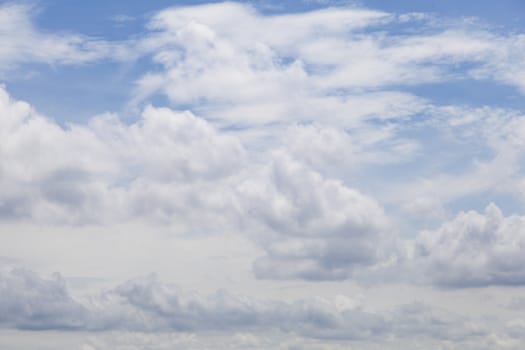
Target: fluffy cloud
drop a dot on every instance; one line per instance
(314, 228)
(177, 169)
(354, 75)
(108, 170)
(474, 249)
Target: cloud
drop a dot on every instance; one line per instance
(247, 76)
(175, 169)
(302, 141)
(313, 227)
(33, 303)
(338, 152)
(353, 74)
(486, 169)
(337, 65)
(147, 305)
(106, 170)
(516, 328)
(24, 43)
(323, 55)
(506, 64)
(330, 78)
(474, 250)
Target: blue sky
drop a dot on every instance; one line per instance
(262, 175)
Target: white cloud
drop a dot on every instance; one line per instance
(313, 227)
(24, 43)
(338, 152)
(463, 152)
(260, 74)
(474, 250)
(230, 62)
(176, 169)
(107, 170)
(505, 64)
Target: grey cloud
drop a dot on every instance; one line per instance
(30, 302)
(516, 328)
(516, 303)
(157, 307)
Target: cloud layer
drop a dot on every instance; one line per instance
(147, 305)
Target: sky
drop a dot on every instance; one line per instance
(262, 175)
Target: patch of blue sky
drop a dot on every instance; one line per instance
(430, 140)
(112, 20)
(76, 93)
(474, 93)
(503, 13)
(294, 6)
(508, 203)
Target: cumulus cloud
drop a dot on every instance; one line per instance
(315, 228)
(475, 249)
(177, 169)
(108, 170)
